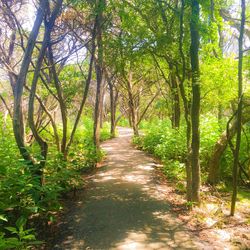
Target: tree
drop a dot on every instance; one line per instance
(239, 109)
(195, 108)
(100, 5)
(222, 143)
(20, 82)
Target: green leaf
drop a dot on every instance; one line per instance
(12, 230)
(21, 222)
(3, 218)
(29, 237)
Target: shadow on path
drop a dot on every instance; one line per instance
(123, 206)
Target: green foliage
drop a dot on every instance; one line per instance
(22, 196)
(123, 122)
(22, 238)
(210, 132)
(219, 86)
(169, 145)
(84, 149)
(174, 170)
(163, 141)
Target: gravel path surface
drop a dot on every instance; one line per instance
(124, 206)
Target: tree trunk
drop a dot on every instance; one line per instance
(239, 113)
(102, 101)
(86, 90)
(186, 105)
(132, 107)
(176, 111)
(99, 72)
(112, 108)
(18, 126)
(146, 108)
(195, 108)
(220, 147)
(62, 104)
(46, 40)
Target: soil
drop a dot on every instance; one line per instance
(125, 205)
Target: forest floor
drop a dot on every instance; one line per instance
(127, 204)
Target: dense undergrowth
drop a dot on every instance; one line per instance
(23, 202)
(169, 145)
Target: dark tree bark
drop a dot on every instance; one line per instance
(176, 110)
(239, 113)
(186, 105)
(195, 108)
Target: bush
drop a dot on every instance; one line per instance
(169, 145)
(21, 195)
(174, 170)
(163, 141)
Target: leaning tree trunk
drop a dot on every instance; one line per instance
(62, 104)
(219, 148)
(18, 126)
(46, 40)
(221, 145)
(195, 109)
(86, 90)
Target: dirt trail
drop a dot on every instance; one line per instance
(124, 206)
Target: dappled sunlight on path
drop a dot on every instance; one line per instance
(124, 207)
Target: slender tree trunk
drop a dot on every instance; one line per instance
(132, 106)
(63, 108)
(6, 105)
(52, 119)
(18, 126)
(86, 90)
(112, 108)
(195, 108)
(99, 72)
(176, 111)
(146, 108)
(186, 105)
(42, 143)
(239, 113)
(102, 101)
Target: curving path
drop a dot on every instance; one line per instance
(124, 206)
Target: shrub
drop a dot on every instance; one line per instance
(21, 195)
(169, 145)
